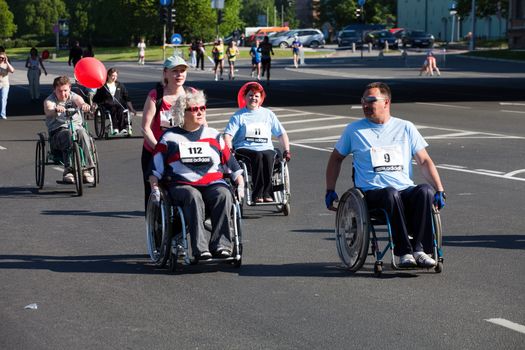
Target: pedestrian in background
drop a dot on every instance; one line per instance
(232, 52)
(218, 58)
(88, 52)
(266, 58)
(201, 50)
(5, 69)
(429, 65)
(33, 64)
(255, 52)
(296, 48)
(194, 47)
(141, 46)
(75, 54)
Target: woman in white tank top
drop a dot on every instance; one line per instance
(33, 64)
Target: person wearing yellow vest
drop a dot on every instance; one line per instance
(218, 58)
(232, 52)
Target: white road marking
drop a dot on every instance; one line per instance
(317, 128)
(489, 171)
(2, 148)
(504, 176)
(58, 168)
(507, 324)
(512, 173)
(509, 111)
(442, 105)
(279, 116)
(511, 104)
(310, 147)
(311, 120)
(335, 74)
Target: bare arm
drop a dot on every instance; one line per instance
(147, 119)
(42, 65)
(428, 169)
(333, 168)
(283, 139)
(228, 140)
(79, 102)
(154, 181)
(10, 68)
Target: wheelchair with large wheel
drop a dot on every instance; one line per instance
(355, 232)
(168, 239)
(280, 183)
(104, 123)
(45, 155)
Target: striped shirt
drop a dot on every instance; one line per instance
(197, 158)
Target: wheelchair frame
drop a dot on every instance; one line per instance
(354, 222)
(168, 240)
(45, 156)
(104, 123)
(280, 184)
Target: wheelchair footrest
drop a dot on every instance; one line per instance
(278, 188)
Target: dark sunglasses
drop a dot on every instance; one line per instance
(195, 109)
(372, 99)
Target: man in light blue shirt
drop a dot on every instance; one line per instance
(382, 148)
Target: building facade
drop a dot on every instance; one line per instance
(433, 16)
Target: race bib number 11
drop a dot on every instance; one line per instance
(257, 132)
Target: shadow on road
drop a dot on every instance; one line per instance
(113, 214)
(514, 242)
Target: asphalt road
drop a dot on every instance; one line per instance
(83, 260)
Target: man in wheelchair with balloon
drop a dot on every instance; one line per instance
(59, 108)
(382, 148)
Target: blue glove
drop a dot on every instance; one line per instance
(439, 199)
(330, 197)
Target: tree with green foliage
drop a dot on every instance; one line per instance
(484, 8)
(38, 17)
(231, 16)
(340, 13)
(7, 24)
(254, 8)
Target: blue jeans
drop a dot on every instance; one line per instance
(3, 101)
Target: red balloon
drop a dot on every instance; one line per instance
(90, 73)
(242, 92)
(45, 55)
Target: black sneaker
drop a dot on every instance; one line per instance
(204, 256)
(222, 253)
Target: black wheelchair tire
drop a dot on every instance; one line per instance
(77, 168)
(40, 163)
(100, 123)
(352, 229)
(96, 169)
(159, 246)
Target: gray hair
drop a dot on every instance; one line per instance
(192, 96)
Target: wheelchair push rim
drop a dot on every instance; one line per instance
(352, 230)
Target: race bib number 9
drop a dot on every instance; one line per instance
(195, 152)
(166, 119)
(257, 132)
(387, 158)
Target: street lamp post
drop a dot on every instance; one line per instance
(472, 44)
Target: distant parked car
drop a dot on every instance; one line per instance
(378, 38)
(308, 37)
(417, 38)
(349, 37)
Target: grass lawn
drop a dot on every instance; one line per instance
(502, 54)
(153, 53)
